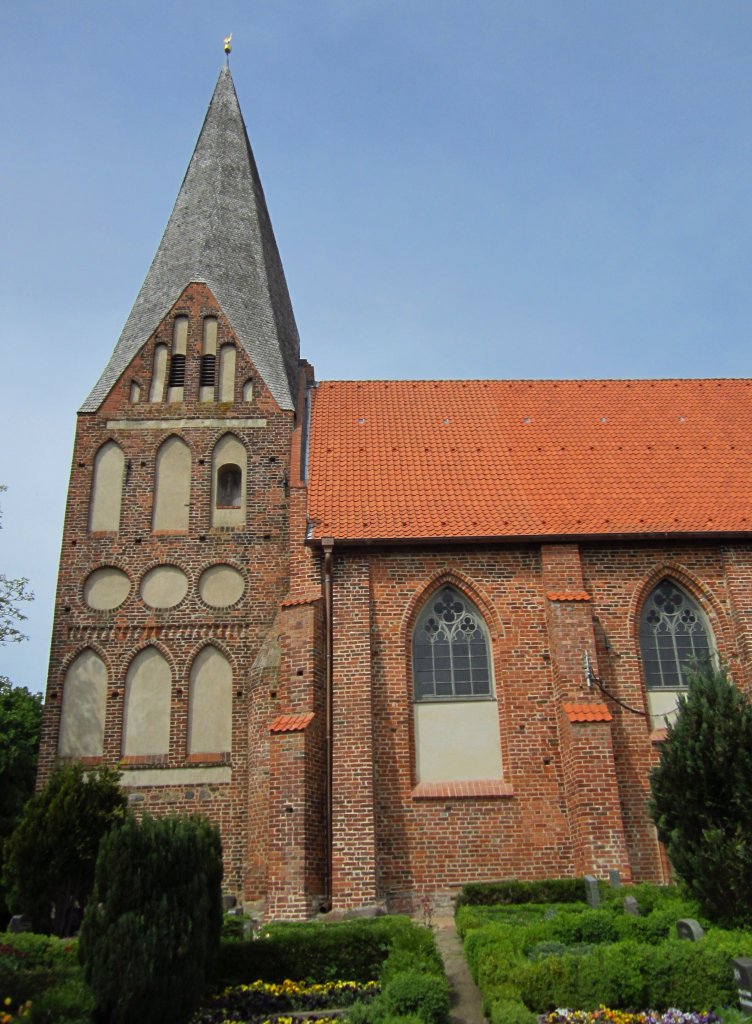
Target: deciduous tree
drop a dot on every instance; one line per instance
(13, 593)
(20, 721)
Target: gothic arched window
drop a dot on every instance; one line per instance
(450, 649)
(674, 633)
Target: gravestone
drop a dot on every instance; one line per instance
(228, 902)
(19, 923)
(631, 906)
(688, 928)
(614, 879)
(592, 892)
(742, 966)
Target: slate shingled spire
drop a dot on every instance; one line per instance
(220, 233)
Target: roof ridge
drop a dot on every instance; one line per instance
(535, 380)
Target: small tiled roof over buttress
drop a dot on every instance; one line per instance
(408, 460)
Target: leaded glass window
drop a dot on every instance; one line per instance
(674, 634)
(450, 649)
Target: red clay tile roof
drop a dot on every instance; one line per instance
(291, 723)
(568, 595)
(587, 712)
(290, 602)
(393, 460)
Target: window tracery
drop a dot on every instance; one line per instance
(674, 633)
(450, 649)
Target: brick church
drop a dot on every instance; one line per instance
(391, 636)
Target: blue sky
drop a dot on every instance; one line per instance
(459, 189)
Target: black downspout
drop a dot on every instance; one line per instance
(327, 545)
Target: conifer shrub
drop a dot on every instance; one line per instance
(700, 799)
(153, 925)
(49, 860)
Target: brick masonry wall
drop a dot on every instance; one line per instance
(540, 828)
(619, 578)
(587, 756)
(568, 791)
(259, 551)
(437, 843)
(353, 825)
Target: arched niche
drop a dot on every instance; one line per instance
(172, 486)
(229, 467)
(158, 373)
(227, 360)
(210, 705)
(107, 489)
(84, 705)
(146, 721)
(176, 379)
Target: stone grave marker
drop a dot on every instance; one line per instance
(631, 906)
(19, 923)
(614, 879)
(688, 928)
(742, 966)
(592, 891)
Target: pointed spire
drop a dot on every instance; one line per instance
(220, 233)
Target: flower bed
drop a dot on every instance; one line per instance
(260, 1000)
(604, 1015)
(9, 1016)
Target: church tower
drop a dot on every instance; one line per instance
(167, 652)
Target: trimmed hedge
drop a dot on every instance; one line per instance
(45, 970)
(574, 956)
(551, 890)
(360, 950)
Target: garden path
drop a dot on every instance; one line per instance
(467, 1005)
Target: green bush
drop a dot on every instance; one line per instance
(153, 925)
(70, 1001)
(551, 890)
(31, 964)
(360, 950)
(48, 868)
(548, 962)
(630, 975)
(426, 996)
(512, 1011)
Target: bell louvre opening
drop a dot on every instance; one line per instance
(177, 372)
